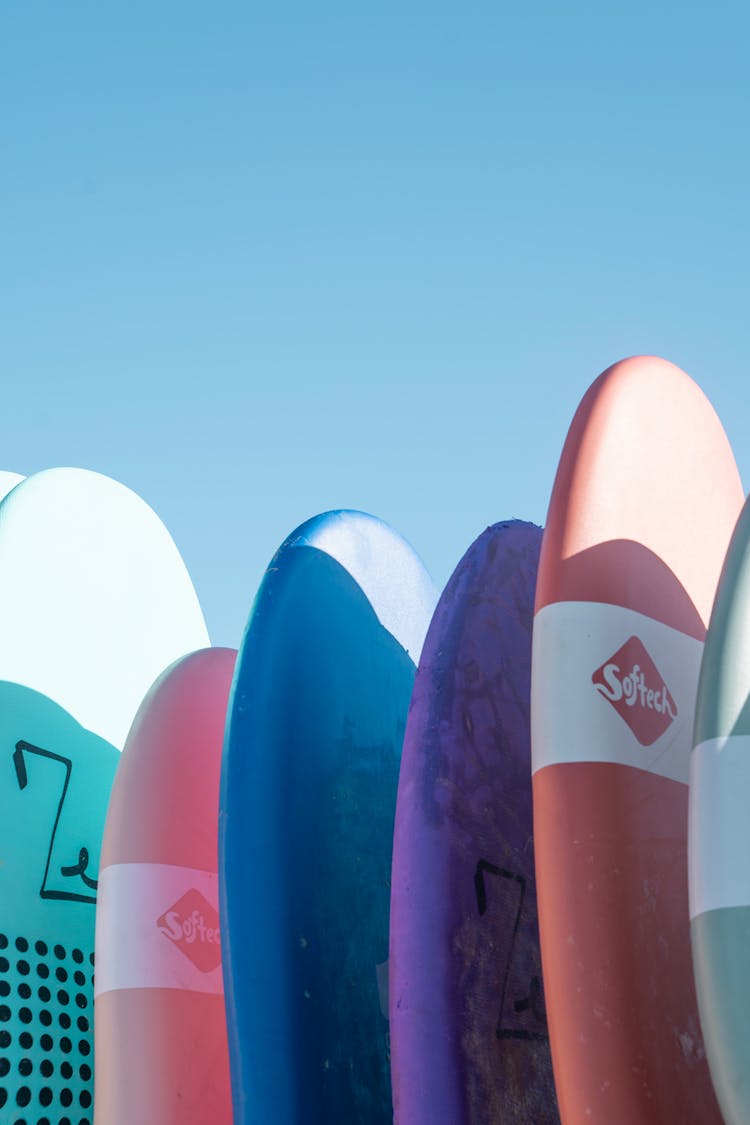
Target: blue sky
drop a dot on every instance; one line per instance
(257, 261)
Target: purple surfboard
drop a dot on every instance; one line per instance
(468, 1028)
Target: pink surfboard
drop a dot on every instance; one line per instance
(161, 1041)
(646, 496)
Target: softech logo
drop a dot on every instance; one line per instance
(634, 686)
(192, 924)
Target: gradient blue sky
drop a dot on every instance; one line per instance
(260, 260)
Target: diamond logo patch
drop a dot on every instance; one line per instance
(633, 685)
(192, 924)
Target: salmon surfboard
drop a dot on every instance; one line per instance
(94, 601)
(719, 834)
(643, 506)
(161, 1039)
(468, 1029)
(308, 794)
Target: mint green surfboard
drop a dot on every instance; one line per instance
(719, 834)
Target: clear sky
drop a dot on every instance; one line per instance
(260, 260)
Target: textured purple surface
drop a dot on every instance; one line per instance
(468, 1029)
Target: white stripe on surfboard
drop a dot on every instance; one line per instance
(718, 825)
(652, 687)
(157, 926)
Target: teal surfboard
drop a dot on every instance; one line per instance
(54, 780)
(308, 794)
(94, 602)
(719, 834)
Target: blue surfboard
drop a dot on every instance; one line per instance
(308, 793)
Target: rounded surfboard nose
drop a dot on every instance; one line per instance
(95, 600)
(308, 793)
(643, 506)
(161, 1041)
(468, 1027)
(93, 597)
(719, 839)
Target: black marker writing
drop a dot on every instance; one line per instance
(80, 869)
(70, 871)
(533, 1001)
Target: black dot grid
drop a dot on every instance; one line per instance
(46, 1002)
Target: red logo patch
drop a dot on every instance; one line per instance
(192, 924)
(633, 685)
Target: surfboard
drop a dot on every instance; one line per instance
(308, 793)
(645, 499)
(161, 1039)
(468, 1026)
(719, 836)
(94, 602)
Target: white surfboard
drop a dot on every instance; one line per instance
(95, 600)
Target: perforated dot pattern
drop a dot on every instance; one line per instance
(46, 1033)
